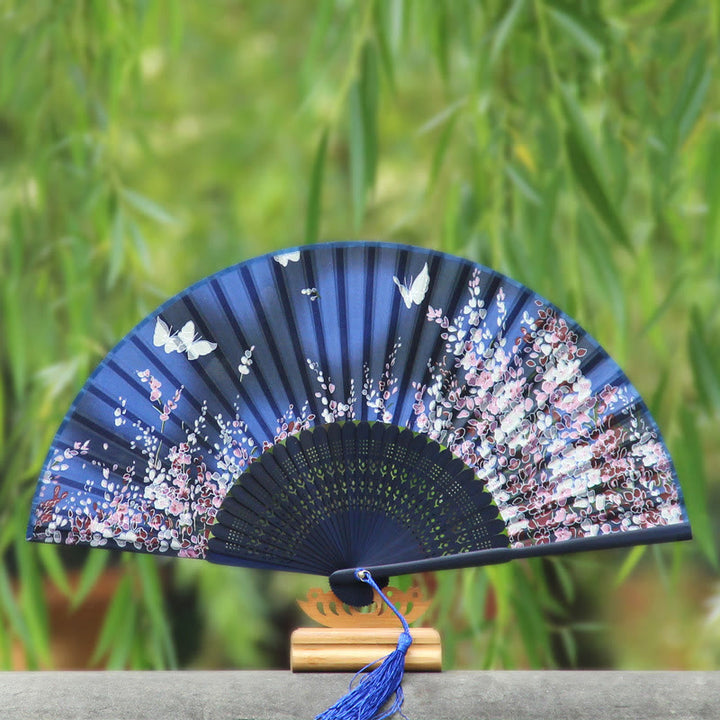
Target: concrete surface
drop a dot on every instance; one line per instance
(280, 695)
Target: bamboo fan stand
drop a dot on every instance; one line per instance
(353, 638)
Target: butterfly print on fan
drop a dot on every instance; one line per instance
(414, 291)
(286, 258)
(184, 341)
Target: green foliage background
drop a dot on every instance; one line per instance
(575, 146)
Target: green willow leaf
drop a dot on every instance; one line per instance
(675, 11)
(632, 558)
(358, 154)
(664, 306)
(3, 409)
(147, 207)
(139, 243)
(712, 195)
(705, 364)
(577, 123)
(606, 273)
(582, 33)
(370, 93)
(382, 22)
(691, 98)
(120, 652)
(90, 574)
(399, 21)
(504, 29)
(590, 183)
(656, 404)
(53, 566)
(441, 38)
(113, 622)
(445, 115)
(173, 20)
(155, 604)
(530, 621)
(569, 644)
(564, 579)
(320, 27)
(440, 152)
(691, 470)
(314, 201)
(475, 593)
(10, 609)
(363, 100)
(523, 185)
(32, 602)
(15, 330)
(117, 247)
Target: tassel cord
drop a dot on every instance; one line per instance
(366, 698)
(366, 577)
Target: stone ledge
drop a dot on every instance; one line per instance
(281, 695)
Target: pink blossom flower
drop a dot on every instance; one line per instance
(176, 507)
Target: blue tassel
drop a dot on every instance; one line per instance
(366, 699)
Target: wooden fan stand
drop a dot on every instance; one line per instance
(353, 638)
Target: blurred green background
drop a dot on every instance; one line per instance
(575, 146)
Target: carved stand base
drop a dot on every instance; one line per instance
(350, 649)
(355, 638)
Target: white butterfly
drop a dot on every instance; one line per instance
(415, 293)
(184, 341)
(188, 342)
(163, 336)
(287, 257)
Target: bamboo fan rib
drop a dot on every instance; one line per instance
(356, 404)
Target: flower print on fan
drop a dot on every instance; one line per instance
(164, 409)
(332, 409)
(378, 394)
(46, 508)
(291, 423)
(168, 502)
(165, 503)
(246, 362)
(525, 418)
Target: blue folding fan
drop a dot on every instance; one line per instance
(353, 405)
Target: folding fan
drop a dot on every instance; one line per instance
(350, 405)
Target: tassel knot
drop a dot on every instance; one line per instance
(404, 641)
(365, 700)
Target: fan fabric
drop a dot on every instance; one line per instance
(264, 417)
